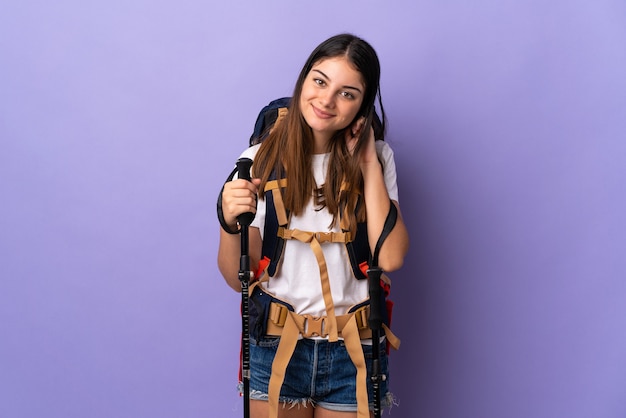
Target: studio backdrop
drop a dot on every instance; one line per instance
(120, 120)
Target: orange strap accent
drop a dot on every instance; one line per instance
(364, 267)
(263, 263)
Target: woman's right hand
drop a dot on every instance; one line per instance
(239, 196)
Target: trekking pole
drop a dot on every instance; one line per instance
(375, 320)
(375, 323)
(245, 275)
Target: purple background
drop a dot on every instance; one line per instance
(120, 120)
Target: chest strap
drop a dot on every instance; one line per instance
(321, 237)
(316, 247)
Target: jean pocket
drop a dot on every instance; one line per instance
(368, 351)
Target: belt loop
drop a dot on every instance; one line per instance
(278, 314)
(361, 316)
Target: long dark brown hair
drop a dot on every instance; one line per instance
(288, 149)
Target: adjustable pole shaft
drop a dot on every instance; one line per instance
(244, 277)
(375, 323)
(375, 320)
(245, 219)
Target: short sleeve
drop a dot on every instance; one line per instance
(385, 154)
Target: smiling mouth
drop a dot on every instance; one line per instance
(321, 114)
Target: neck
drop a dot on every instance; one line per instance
(321, 142)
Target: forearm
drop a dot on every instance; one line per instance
(377, 203)
(228, 256)
(376, 200)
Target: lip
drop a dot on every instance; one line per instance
(321, 114)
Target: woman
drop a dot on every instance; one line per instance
(325, 148)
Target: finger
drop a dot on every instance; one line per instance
(235, 206)
(240, 184)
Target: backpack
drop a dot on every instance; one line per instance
(358, 248)
(271, 316)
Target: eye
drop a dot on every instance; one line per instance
(347, 95)
(319, 81)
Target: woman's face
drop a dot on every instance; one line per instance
(331, 96)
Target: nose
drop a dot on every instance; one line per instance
(327, 99)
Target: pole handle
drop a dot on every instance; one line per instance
(243, 172)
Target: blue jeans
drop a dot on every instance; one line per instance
(320, 373)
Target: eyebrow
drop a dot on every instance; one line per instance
(328, 78)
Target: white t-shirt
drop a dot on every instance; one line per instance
(297, 280)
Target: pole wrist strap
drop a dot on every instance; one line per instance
(220, 212)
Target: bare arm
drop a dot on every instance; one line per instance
(395, 247)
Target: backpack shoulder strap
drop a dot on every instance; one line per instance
(357, 248)
(267, 118)
(276, 216)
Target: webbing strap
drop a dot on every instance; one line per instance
(282, 112)
(285, 350)
(275, 184)
(322, 237)
(310, 326)
(295, 324)
(353, 345)
(279, 206)
(310, 237)
(286, 347)
(393, 340)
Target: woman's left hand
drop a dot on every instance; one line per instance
(367, 153)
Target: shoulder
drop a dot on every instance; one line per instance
(385, 154)
(383, 149)
(250, 152)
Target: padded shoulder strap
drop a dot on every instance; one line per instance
(275, 216)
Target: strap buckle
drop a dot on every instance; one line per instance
(342, 237)
(314, 326)
(322, 237)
